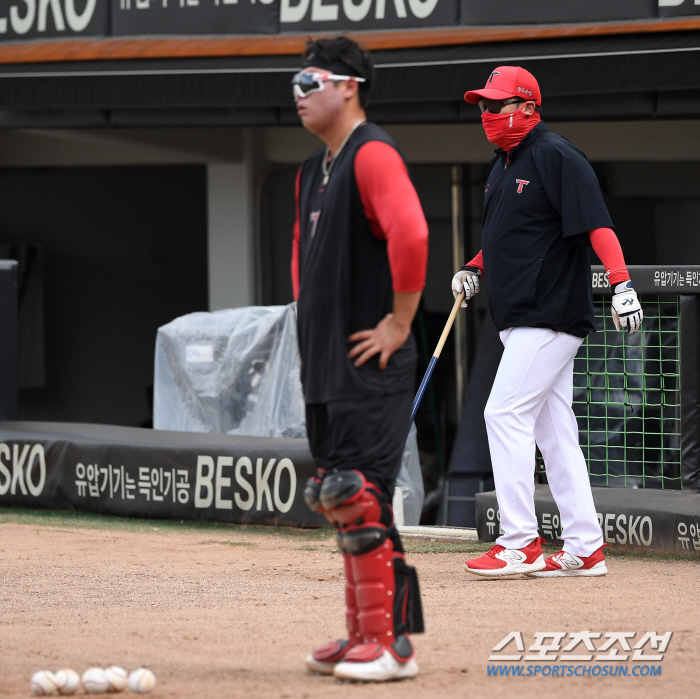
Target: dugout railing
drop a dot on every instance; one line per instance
(636, 396)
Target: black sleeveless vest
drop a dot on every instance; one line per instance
(344, 283)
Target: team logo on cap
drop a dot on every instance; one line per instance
(492, 76)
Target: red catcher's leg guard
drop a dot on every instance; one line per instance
(335, 651)
(374, 577)
(376, 583)
(364, 530)
(352, 612)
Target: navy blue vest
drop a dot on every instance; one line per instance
(344, 283)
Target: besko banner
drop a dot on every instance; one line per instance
(156, 473)
(32, 19)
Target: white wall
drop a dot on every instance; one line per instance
(230, 236)
(465, 143)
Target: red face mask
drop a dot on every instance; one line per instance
(507, 130)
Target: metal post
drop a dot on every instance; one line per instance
(9, 381)
(458, 260)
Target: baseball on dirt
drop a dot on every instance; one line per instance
(142, 681)
(67, 681)
(43, 683)
(95, 681)
(117, 677)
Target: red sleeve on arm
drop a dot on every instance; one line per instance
(478, 261)
(607, 247)
(394, 212)
(295, 241)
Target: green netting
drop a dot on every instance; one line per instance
(627, 397)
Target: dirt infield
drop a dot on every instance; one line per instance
(231, 612)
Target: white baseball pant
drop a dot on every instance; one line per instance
(531, 402)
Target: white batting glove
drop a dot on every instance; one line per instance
(626, 309)
(466, 280)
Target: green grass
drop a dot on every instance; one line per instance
(419, 546)
(89, 520)
(650, 554)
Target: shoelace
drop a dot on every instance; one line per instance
(494, 550)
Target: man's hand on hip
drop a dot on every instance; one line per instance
(389, 334)
(626, 310)
(383, 340)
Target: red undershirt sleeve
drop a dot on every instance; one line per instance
(478, 261)
(394, 212)
(607, 247)
(295, 241)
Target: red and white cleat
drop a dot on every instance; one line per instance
(371, 662)
(565, 564)
(501, 561)
(325, 657)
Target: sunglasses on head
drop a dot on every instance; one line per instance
(496, 106)
(305, 83)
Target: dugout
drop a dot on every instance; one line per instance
(147, 153)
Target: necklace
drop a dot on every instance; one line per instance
(328, 162)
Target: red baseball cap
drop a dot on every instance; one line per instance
(505, 82)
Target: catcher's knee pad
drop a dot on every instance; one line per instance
(346, 497)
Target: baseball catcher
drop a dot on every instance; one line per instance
(358, 268)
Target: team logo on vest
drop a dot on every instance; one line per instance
(521, 184)
(314, 221)
(492, 76)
